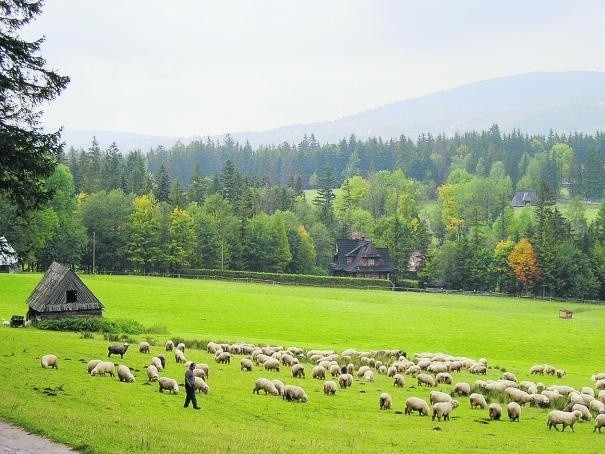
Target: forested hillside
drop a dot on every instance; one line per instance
(222, 204)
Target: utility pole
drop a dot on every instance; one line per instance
(94, 247)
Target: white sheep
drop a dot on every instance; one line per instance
(92, 364)
(334, 370)
(385, 401)
(266, 385)
(245, 364)
(329, 388)
(462, 389)
(514, 411)
(5, 322)
(416, 404)
(586, 416)
(169, 345)
(539, 400)
(518, 395)
(599, 422)
(224, 358)
(104, 367)
(495, 411)
(509, 376)
(293, 393)
(438, 396)
(560, 373)
(157, 362)
(426, 380)
(600, 384)
(200, 385)
(477, 400)
(538, 369)
(124, 374)
(444, 377)
(596, 406)
(298, 371)
(179, 356)
(413, 370)
(319, 372)
(169, 384)
(443, 410)
(279, 385)
(368, 375)
(362, 370)
(152, 373)
(49, 361)
(144, 347)
(398, 380)
(565, 418)
(181, 346)
(478, 369)
(271, 364)
(345, 380)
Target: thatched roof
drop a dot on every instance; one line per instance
(8, 256)
(61, 290)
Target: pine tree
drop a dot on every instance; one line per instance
(28, 155)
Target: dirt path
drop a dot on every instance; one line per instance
(14, 439)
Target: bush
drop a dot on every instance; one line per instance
(92, 324)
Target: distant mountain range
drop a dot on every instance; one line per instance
(535, 103)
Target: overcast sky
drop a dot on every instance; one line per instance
(193, 67)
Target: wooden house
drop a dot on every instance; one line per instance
(358, 257)
(522, 198)
(61, 293)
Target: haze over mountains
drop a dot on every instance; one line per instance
(533, 102)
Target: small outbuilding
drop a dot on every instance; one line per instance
(61, 293)
(522, 198)
(564, 313)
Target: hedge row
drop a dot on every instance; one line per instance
(92, 324)
(297, 279)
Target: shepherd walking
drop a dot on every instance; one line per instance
(190, 387)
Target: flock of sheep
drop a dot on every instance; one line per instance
(568, 405)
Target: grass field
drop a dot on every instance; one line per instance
(100, 414)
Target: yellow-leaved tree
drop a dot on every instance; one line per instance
(524, 264)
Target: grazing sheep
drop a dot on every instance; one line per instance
(93, 363)
(586, 416)
(298, 371)
(162, 359)
(279, 385)
(104, 367)
(179, 356)
(224, 358)
(368, 376)
(246, 364)
(345, 380)
(329, 388)
(334, 370)
(272, 364)
(49, 361)
(549, 370)
(144, 347)
(444, 377)
(200, 373)
(417, 404)
(426, 380)
(438, 396)
(514, 411)
(152, 373)
(600, 384)
(293, 393)
(266, 385)
(477, 400)
(169, 345)
(556, 417)
(319, 372)
(212, 347)
(478, 369)
(538, 369)
(462, 389)
(157, 363)
(494, 411)
(385, 401)
(124, 374)
(560, 373)
(599, 422)
(443, 410)
(168, 383)
(5, 322)
(181, 346)
(517, 395)
(596, 406)
(413, 370)
(200, 385)
(509, 376)
(362, 370)
(539, 400)
(117, 350)
(398, 380)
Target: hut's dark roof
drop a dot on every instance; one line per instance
(360, 249)
(522, 198)
(8, 256)
(50, 295)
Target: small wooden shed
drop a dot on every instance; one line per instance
(564, 313)
(61, 293)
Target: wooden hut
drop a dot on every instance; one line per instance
(61, 293)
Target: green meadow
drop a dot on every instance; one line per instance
(101, 414)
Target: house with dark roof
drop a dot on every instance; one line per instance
(61, 293)
(522, 198)
(358, 257)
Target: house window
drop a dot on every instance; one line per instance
(71, 296)
(371, 262)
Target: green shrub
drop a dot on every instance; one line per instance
(92, 324)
